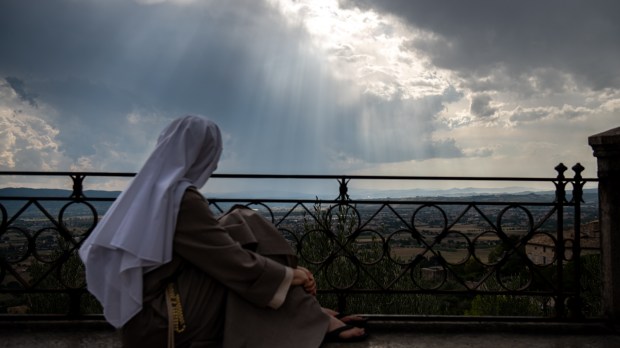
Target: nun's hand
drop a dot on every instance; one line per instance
(310, 285)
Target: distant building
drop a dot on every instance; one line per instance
(541, 248)
(434, 274)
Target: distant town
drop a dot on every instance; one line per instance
(390, 222)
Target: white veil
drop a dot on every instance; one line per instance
(135, 235)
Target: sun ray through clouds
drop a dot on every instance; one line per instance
(396, 93)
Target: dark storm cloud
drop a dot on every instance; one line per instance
(476, 38)
(57, 37)
(96, 62)
(239, 62)
(20, 89)
(89, 112)
(185, 54)
(481, 106)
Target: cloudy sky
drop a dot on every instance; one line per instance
(399, 87)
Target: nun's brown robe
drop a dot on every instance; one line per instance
(224, 288)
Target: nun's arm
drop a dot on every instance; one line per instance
(201, 241)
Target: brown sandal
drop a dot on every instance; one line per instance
(334, 335)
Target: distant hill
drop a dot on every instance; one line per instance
(53, 206)
(31, 192)
(465, 192)
(589, 196)
(460, 193)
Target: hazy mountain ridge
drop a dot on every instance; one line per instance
(485, 194)
(460, 193)
(59, 199)
(32, 192)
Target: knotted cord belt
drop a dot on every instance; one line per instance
(176, 321)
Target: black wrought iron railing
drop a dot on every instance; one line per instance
(520, 256)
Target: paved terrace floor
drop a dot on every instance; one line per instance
(383, 334)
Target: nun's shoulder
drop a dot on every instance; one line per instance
(192, 193)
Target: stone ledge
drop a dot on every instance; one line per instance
(396, 326)
(593, 328)
(383, 333)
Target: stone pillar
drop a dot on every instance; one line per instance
(606, 148)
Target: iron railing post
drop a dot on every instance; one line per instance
(575, 304)
(560, 200)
